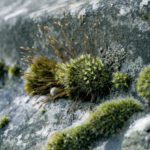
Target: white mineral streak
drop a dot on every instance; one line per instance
(144, 2)
(139, 125)
(16, 13)
(124, 11)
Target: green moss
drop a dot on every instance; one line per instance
(40, 77)
(120, 81)
(4, 121)
(14, 71)
(143, 83)
(3, 69)
(84, 76)
(107, 120)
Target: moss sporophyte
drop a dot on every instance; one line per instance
(84, 76)
(40, 76)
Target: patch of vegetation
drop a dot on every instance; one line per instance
(143, 83)
(4, 121)
(85, 76)
(40, 77)
(120, 81)
(105, 121)
(58, 38)
(3, 69)
(14, 71)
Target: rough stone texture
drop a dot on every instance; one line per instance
(116, 26)
(119, 25)
(138, 135)
(28, 127)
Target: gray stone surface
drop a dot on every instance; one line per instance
(118, 26)
(29, 128)
(138, 135)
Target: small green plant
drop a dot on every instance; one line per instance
(120, 81)
(143, 83)
(105, 121)
(4, 121)
(40, 76)
(84, 76)
(14, 71)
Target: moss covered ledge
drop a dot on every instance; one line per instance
(105, 121)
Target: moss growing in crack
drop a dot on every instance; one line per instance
(85, 76)
(14, 71)
(143, 83)
(121, 81)
(105, 121)
(40, 77)
(4, 121)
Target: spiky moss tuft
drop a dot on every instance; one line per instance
(4, 121)
(143, 83)
(3, 69)
(105, 121)
(40, 77)
(14, 71)
(120, 81)
(84, 76)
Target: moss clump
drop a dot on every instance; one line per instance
(84, 76)
(14, 71)
(3, 70)
(4, 121)
(106, 120)
(40, 77)
(143, 83)
(120, 81)
(43, 111)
